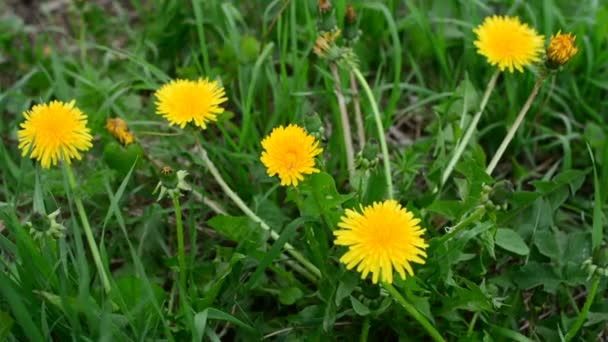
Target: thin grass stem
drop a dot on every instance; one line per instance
(348, 140)
(87, 230)
(181, 253)
(513, 129)
(464, 142)
(381, 136)
(583, 314)
(358, 116)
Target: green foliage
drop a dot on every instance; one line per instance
(513, 272)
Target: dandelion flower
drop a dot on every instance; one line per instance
(290, 152)
(183, 101)
(54, 131)
(508, 43)
(383, 237)
(561, 49)
(118, 128)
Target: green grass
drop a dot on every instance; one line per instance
(512, 274)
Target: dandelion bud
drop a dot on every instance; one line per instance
(560, 50)
(367, 159)
(314, 126)
(501, 193)
(327, 19)
(324, 6)
(351, 29)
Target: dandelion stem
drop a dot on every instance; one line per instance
(255, 218)
(357, 104)
(413, 312)
(348, 140)
(87, 230)
(181, 254)
(583, 314)
(364, 330)
(513, 129)
(462, 144)
(381, 136)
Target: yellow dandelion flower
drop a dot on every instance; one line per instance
(561, 49)
(383, 237)
(54, 131)
(118, 128)
(290, 152)
(183, 101)
(508, 43)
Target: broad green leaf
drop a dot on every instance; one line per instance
(534, 274)
(546, 242)
(290, 295)
(200, 324)
(511, 241)
(346, 285)
(360, 308)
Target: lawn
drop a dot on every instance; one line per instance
(303, 170)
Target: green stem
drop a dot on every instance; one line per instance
(462, 144)
(358, 116)
(474, 217)
(413, 312)
(513, 129)
(255, 218)
(583, 315)
(181, 254)
(348, 140)
(472, 324)
(381, 136)
(364, 330)
(87, 230)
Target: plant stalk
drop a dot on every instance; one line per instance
(255, 218)
(348, 140)
(381, 136)
(87, 230)
(474, 217)
(583, 314)
(358, 116)
(462, 144)
(513, 129)
(181, 253)
(413, 312)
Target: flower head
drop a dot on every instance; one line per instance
(46, 225)
(383, 237)
(290, 152)
(183, 101)
(508, 43)
(119, 130)
(172, 183)
(561, 49)
(54, 131)
(325, 45)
